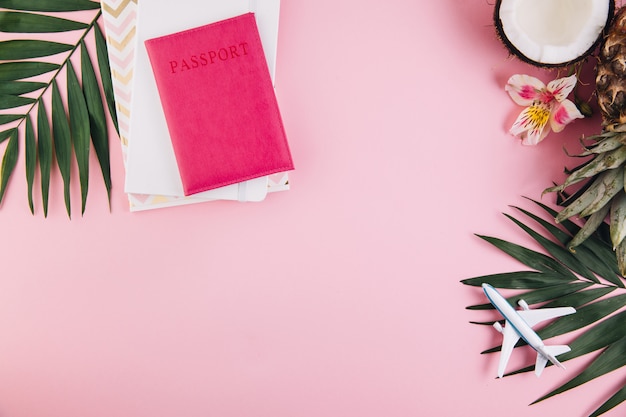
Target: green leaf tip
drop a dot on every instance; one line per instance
(9, 160)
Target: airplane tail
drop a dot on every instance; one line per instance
(549, 353)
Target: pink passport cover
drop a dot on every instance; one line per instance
(219, 103)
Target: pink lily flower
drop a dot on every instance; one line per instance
(544, 104)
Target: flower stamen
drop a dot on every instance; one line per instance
(538, 115)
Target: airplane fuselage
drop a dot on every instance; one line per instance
(510, 314)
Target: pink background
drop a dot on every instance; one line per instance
(340, 297)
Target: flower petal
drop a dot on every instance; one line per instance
(560, 88)
(531, 124)
(563, 114)
(524, 89)
(534, 137)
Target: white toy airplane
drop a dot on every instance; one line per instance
(519, 324)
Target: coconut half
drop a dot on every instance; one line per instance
(552, 33)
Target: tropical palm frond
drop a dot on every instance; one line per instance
(77, 119)
(587, 279)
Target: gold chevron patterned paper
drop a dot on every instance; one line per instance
(120, 22)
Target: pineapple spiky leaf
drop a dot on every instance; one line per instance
(603, 194)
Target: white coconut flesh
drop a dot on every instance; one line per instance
(553, 32)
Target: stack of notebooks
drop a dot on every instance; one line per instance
(197, 113)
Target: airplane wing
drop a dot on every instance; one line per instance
(510, 338)
(532, 317)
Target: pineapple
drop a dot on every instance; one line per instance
(611, 72)
(604, 193)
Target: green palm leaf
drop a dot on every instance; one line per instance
(18, 22)
(591, 284)
(521, 280)
(5, 134)
(97, 118)
(588, 256)
(62, 143)
(30, 148)
(49, 5)
(559, 252)
(529, 257)
(8, 162)
(105, 73)
(584, 316)
(77, 111)
(615, 400)
(80, 130)
(44, 151)
(541, 295)
(30, 48)
(8, 118)
(11, 71)
(10, 102)
(580, 298)
(19, 87)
